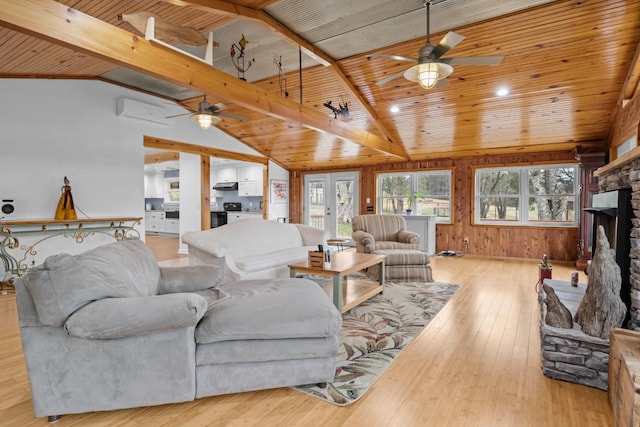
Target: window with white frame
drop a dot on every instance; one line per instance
(416, 193)
(532, 195)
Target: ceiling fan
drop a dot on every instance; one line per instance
(431, 70)
(209, 115)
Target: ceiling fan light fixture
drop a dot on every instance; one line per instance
(205, 120)
(430, 72)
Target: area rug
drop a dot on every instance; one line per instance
(375, 332)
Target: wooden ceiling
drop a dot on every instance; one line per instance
(565, 64)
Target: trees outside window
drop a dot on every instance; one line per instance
(545, 195)
(425, 193)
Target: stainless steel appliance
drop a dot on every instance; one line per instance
(219, 218)
(172, 214)
(226, 186)
(232, 206)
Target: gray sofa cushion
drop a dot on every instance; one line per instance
(189, 278)
(270, 309)
(125, 317)
(64, 283)
(248, 351)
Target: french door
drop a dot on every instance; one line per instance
(331, 200)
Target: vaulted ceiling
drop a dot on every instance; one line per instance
(566, 65)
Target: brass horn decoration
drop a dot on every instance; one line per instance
(65, 209)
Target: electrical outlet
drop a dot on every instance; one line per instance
(466, 240)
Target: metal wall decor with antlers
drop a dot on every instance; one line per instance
(239, 61)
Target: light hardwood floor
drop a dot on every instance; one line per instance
(476, 364)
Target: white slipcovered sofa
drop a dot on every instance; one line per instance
(254, 248)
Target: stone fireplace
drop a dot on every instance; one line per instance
(625, 175)
(570, 354)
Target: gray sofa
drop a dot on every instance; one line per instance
(109, 329)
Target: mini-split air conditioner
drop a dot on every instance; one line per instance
(132, 109)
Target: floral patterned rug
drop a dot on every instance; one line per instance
(376, 331)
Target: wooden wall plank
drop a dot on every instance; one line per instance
(559, 243)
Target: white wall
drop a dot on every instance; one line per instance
(56, 128)
(278, 210)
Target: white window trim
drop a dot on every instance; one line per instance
(524, 197)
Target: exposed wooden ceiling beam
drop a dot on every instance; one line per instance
(71, 28)
(165, 156)
(633, 78)
(183, 147)
(261, 17)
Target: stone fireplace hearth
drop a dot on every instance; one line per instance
(570, 354)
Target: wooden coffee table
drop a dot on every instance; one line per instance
(353, 292)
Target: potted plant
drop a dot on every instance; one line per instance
(410, 198)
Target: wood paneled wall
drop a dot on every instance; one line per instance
(560, 243)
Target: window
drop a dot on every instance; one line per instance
(424, 193)
(535, 195)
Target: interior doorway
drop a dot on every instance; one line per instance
(331, 200)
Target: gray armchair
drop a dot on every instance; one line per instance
(375, 232)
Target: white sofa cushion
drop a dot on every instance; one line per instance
(245, 238)
(252, 263)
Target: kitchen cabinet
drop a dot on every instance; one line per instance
(170, 226)
(249, 173)
(246, 189)
(235, 216)
(226, 175)
(157, 222)
(153, 221)
(153, 185)
(250, 181)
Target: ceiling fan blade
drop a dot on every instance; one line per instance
(396, 57)
(391, 77)
(218, 107)
(448, 42)
(177, 115)
(441, 83)
(232, 116)
(474, 60)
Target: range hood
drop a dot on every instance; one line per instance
(225, 186)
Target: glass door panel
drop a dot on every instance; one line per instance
(331, 201)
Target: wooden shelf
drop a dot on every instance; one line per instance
(354, 292)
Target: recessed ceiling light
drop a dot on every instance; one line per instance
(503, 91)
(394, 109)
